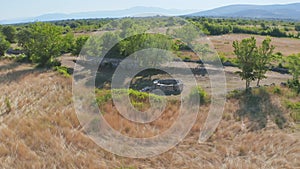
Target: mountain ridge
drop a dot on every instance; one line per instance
(134, 11)
(275, 11)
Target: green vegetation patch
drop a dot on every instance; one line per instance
(198, 94)
(294, 107)
(63, 70)
(140, 100)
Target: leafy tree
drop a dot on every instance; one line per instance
(4, 45)
(265, 55)
(10, 33)
(297, 27)
(23, 38)
(43, 43)
(93, 47)
(79, 43)
(109, 40)
(276, 32)
(246, 52)
(187, 33)
(263, 26)
(68, 42)
(294, 67)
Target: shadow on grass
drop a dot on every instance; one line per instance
(257, 106)
(9, 66)
(17, 75)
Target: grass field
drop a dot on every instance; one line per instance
(39, 129)
(223, 44)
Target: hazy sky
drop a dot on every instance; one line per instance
(25, 8)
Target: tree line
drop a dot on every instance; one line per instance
(212, 26)
(42, 43)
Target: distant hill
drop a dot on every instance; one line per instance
(287, 11)
(135, 11)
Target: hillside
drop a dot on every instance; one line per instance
(39, 129)
(287, 11)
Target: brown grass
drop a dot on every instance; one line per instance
(42, 131)
(286, 46)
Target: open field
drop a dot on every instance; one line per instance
(39, 129)
(152, 102)
(223, 43)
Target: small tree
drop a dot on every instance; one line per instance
(4, 45)
(79, 43)
(68, 42)
(297, 27)
(10, 33)
(294, 68)
(43, 43)
(246, 52)
(294, 65)
(265, 55)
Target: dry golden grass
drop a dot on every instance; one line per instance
(286, 46)
(40, 130)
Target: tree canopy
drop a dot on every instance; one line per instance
(253, 61)
(42, 42)
(4, 45)
(246, 52)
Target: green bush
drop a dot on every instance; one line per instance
(4, 45)
(294, 85)
(198, 94)
(277, 90)
(139, 100)
(10, 33)
(42, 42)
(63, 70)
(295, 110)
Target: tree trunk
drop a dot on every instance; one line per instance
(258, 82)
(247, 85)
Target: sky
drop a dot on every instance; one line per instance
(11, 9)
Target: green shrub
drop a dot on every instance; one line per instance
(222, 57)
(8, 105)
(277, 90)
(198, 94)
(4, 45)
(295, 110)
(186, 57)
(139, 100)
(295, 85)
(63, 70)
(235, 94)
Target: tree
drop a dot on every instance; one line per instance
(246, 52)
(23, 37)
(79, 43)
(294, 68)
(68, 42)
(297, 27)
(109, 39)
(294, 65)
(43, 43)
(187, 34)
(264, 57)
(10, 33)
(4, 45)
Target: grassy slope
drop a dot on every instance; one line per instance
(39, 130)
